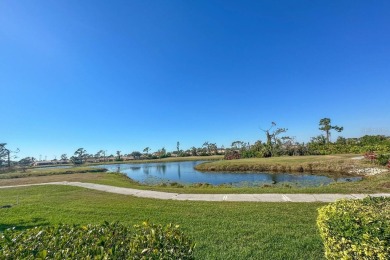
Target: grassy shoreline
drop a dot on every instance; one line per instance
(339, 164)
(32, 172)
(369, 184)
(86, 168)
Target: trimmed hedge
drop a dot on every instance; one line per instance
(356, 229)
(106, 241)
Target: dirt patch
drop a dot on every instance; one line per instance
(368, 171)
(385, 185)
(81, 177)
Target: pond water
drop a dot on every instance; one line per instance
(184, 173)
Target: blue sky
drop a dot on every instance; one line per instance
(124, 75)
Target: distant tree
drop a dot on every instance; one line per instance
(341, 140)
(118, 156)
(320, 139)
(102, 154)
(201, 151)
(267, 133)
(237, 145)
(213, 148)
(373, 139)
(272, 137)
(97, 155)
(79, 156)
(81, 152)
(136, 154)
(288, 140)
(353, 141)
(146, 150)
(64, 157)
(277, 132)
(325, 125)
(5, 155)
(26, 162)
(178, 147)
(289, 146)
(162, 153)
(193, 151)
(206, 146)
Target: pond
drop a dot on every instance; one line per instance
(184, 173)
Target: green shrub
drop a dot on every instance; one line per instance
(383, 159)
(106, 241)
(356, 229)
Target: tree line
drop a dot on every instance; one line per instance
(81, 156)
(276, 144)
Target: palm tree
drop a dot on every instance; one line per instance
(146, 150)
(326, 127)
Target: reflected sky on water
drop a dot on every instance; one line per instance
(184, 173)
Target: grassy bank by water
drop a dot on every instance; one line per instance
(35, 172)
(86, 168)
(369, 184)
(312, 164)
(221, 230)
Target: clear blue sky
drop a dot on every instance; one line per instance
(124, 75)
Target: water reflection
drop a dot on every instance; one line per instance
(161, 168)
(146, 169)
(184, 172)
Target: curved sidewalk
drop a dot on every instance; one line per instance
(211, 197)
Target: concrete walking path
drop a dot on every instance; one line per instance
(266, 197)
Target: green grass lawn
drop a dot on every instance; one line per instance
(223, 230)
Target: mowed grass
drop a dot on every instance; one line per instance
(223, 230)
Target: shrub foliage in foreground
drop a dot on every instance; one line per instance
(106, 241)
(356, 229)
